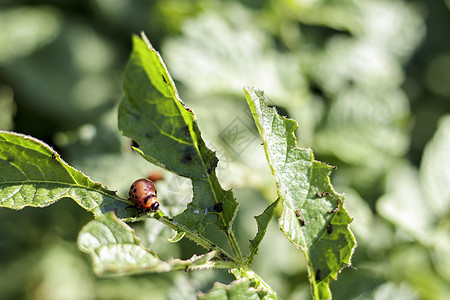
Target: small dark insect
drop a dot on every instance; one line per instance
(339, 201)
(164, 78)
(301, 220)
(143, 194)
(320, 195)
(336, 208)
(53, 155)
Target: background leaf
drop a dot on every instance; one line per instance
(33, 174)
(313, 217)
(167, 134)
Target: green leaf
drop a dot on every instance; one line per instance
(33, 174)
(238, 289)
(313, 217)
(166, 131)
(262, 221)
(114, 248)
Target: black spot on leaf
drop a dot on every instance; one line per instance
(188, 155)
(329, 228)
(187, 133)
(218, 207)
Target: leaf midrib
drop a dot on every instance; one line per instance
(71, 186)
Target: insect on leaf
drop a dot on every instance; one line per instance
(153, 115)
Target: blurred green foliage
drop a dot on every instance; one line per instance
(367, 80)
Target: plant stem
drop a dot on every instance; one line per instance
(234, 246)
(259, 283)
(213, 265)
(197, 238)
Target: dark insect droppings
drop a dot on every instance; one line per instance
(329, 228)
(164, 78)
(218, 207)
(53, 155)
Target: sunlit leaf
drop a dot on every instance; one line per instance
(33, 174)
(313, 217)
(114, 248)
(166, 131)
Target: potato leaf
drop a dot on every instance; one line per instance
(114, 248)
(166, 131)
(313, 217)
(33, 174)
